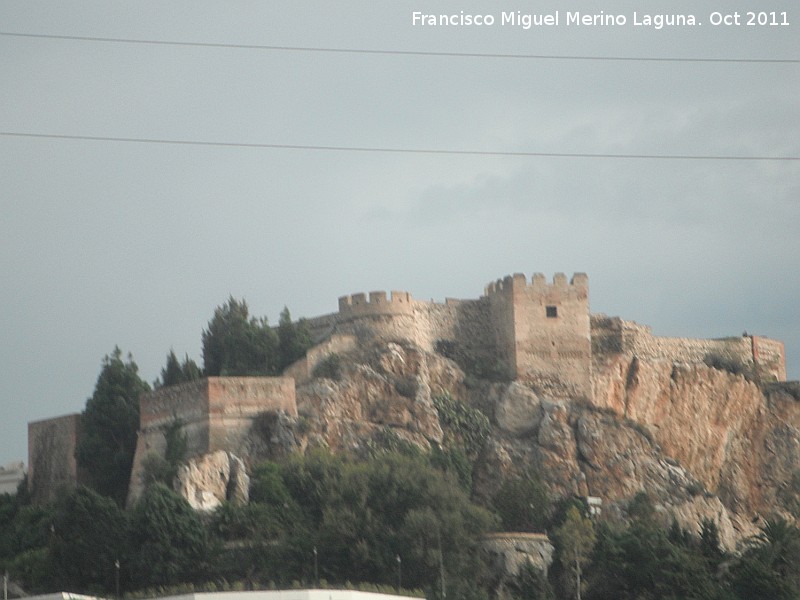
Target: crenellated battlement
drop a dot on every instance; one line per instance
(542, 328)
(577, 287)
(377, 303)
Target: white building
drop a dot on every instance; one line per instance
(273, 595)
(11, 475)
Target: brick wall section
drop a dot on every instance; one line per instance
(161, 406)
(500, 299)
(322, 327)
(478, 332)
(51, 457)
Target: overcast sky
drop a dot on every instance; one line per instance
(106, 243)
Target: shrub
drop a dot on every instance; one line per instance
(467, 425)
(731, 364)
(329, 367)
(406, 387)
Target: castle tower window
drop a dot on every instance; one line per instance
(551, 312)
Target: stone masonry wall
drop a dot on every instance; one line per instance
(612, 335)
(551, 332)
(216, 413)
(770, 358)
(303, 369)
(510, 323)
(234, 402)
(51, 457)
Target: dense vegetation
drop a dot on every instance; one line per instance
(330, 520)
(237, 344)
(355, 516)
(109, 425)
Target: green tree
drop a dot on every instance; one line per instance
(368, 513)
(109, 424)
(522, 503)
(237, 344)
(752, 579)
(531, 584)
(25, 539)
(158, 469)
(175, 372)
(710, 545)
(575, 539)
(771, 565)
(644, 561)
(169, 540)
(294, 339)
(89, 534)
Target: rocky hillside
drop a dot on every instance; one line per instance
(703, 443)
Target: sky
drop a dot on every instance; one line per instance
(110, 242)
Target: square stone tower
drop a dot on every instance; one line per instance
(543, 331)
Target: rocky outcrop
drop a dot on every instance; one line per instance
(209, 480)
(385, 388)
(581, 451)
(702, 443)
(509, 552)
(740, 444)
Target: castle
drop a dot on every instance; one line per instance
(539, 332)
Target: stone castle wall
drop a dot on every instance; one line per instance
(612, 335)
(216, 413)
(546, 329)
(541, 331)
(510, 323)
(770, 357)
(302, 370)
(234, 402)
(51, 457)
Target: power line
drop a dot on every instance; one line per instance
(398, 52)
(378, 149)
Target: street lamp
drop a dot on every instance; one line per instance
(316, 568)
(399, 572)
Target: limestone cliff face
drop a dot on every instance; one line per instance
(741, 444)
(207, 481)
(582, 451)
(385, 389)
(701, 442)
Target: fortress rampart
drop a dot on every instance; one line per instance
(51, 457)
(541, 331)
(358, 305)
(613, 335)
(216, 413)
